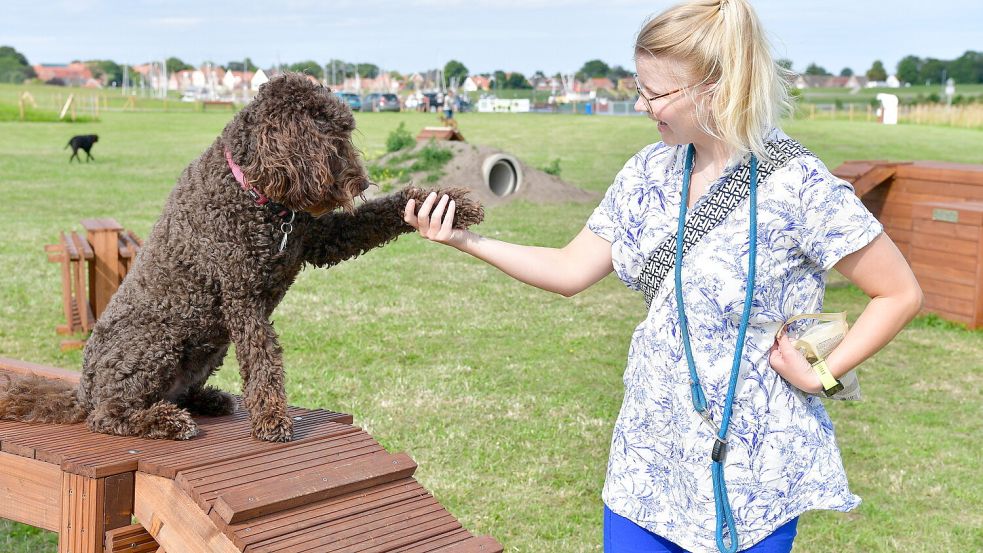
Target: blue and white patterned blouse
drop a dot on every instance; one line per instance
(782, 457)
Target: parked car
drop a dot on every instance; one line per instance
(380, 102)
(351, 99)
(433, 100)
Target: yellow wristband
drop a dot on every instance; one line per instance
(830, 384)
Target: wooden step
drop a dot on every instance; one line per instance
(478, 544)
(278, 494)
(130, 539)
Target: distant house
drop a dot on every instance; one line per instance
(72, 74)
(810, 81)
(475, 83)
(627, 84)
(599, 83)
(259, 79)
(415, 81)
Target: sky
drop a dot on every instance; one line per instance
(486, 35)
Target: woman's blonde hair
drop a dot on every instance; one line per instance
(723, 44)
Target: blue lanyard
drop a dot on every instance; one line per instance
(724, 515)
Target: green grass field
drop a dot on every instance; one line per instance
(506, 395)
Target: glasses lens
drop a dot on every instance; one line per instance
(638, 89)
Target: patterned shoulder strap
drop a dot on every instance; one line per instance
(714, 209)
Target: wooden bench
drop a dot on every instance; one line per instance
(333, 488)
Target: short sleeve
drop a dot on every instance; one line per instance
(606, 220)
(836, 222)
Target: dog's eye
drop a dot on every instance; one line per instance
(321, 121)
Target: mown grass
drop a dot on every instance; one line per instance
(506, 395)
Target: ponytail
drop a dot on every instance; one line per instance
(723, 44)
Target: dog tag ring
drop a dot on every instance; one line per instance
(286, 228)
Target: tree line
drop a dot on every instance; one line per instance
(966, 69)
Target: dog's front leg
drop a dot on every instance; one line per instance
(339, 235)
(261, 366)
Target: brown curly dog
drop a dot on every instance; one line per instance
(235, 231)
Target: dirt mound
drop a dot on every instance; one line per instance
(495, 176)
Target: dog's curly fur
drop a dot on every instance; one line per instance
(211, 273)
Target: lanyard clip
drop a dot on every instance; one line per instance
(719, 444)
(705, 415)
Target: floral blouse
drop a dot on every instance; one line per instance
(782, 457)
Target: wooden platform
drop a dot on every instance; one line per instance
(933, 211)
(333, 488)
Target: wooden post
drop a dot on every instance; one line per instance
(103, 235)
(90, 507)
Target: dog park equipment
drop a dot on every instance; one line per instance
(334, 488)
(502, 173)
(440, 133)
(92, 268)
(933, 211)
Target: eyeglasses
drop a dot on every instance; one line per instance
(648, 101)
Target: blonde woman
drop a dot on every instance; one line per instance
(721, 442)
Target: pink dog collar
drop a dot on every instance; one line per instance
(256, 195)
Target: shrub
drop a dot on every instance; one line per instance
(553, 168)
(399, 139)
(431, 158)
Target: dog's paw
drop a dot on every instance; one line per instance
(273, 428)
(168, 422)
(467, 212)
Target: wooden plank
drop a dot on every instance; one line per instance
(481, 544)
(347, 533)
(970, 213)
(133, 538)
(955, 190)
(977, 319)
(943, 172)
(950, 230)
(23, 367)
(276, 495)
(942, 259)
(960, 310)
(873, 178)
(83, 246)
(935, 287)
(117, 500)
(186, 529)
(371, 533)
(302, 456)
(30, 492)
(947, 274)
(951, 246)
(305, 517)
(436, 542)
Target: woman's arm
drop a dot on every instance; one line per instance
(882, 273)
(566, 271)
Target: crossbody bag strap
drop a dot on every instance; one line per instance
(715, 208)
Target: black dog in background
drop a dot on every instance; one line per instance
(84, 142)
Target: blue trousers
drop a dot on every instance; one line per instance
(624, 536)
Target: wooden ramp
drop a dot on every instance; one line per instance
(332, 489)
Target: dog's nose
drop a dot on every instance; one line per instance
(365, 185)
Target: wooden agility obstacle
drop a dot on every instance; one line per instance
(933, 211)
(92, 268)
(332, 489)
